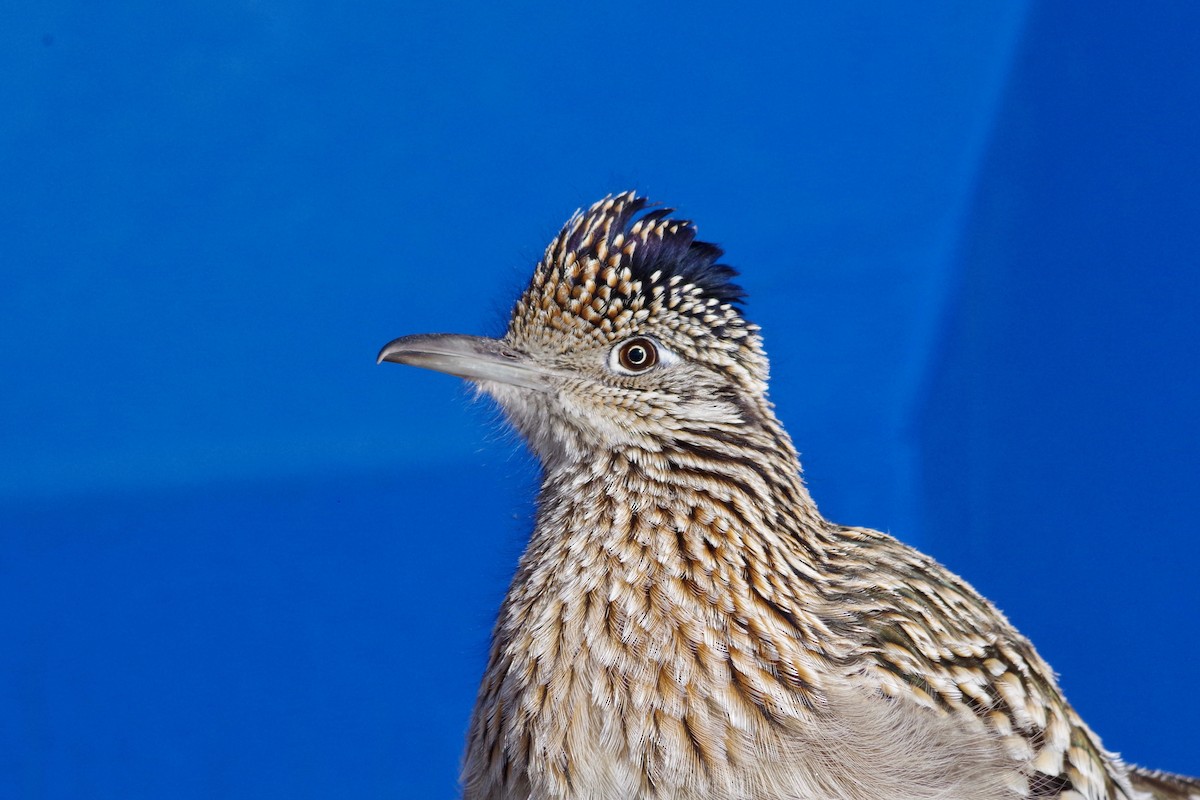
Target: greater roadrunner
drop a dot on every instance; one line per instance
(684, 623)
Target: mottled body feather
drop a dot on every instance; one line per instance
(684, 623)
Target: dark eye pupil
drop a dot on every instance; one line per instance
(637, 355)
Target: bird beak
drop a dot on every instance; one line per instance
(472, 357)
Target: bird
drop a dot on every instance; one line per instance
(684, 623)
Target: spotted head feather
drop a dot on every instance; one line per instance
(623, 268)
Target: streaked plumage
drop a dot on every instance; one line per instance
(684, 623)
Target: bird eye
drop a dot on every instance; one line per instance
(636, 355)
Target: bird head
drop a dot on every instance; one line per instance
(629, 335)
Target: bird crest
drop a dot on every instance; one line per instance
(622, 268)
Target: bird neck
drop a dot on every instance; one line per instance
(732, 493)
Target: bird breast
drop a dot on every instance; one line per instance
(634, 658)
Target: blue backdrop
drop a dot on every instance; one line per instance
(239, 560)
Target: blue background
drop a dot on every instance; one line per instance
(237, 559)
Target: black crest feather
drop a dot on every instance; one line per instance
(674, 253)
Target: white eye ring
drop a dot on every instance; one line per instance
(639, 354)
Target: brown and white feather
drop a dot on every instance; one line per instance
(685, 624)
